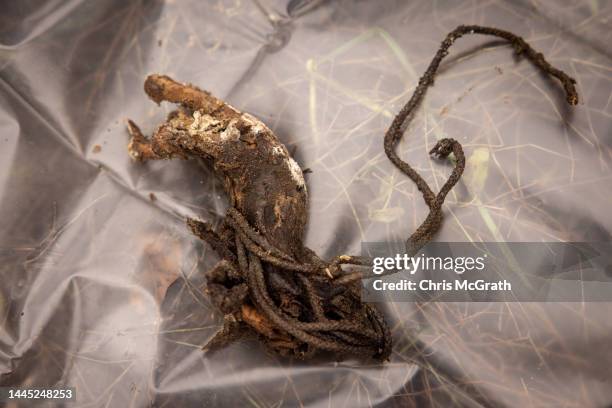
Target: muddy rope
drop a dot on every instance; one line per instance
(330, 315)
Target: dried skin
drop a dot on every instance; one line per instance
(263, 182)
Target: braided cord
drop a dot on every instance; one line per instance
(362, 329)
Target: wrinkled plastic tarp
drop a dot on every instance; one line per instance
(90, 242)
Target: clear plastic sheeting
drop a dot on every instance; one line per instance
(91, 243)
